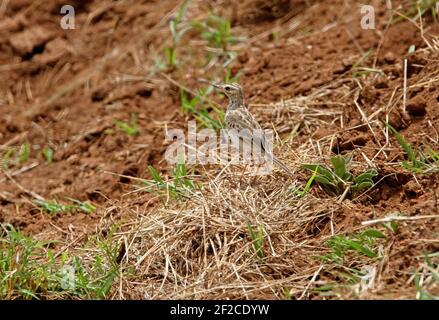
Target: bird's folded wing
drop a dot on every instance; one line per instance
(248, 128)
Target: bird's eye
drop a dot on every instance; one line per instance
(227, 88)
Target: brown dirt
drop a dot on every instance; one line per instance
(64, 89)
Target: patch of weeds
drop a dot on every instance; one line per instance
(418, 9)
(427, 279)
(358, 243)
(30, 270)
(27, 268)
(95, 280)
(338, 178)
(15, 156)
(418, 161)
(48, 155)
(257, 238)
(177, 31)
(196, 107)
(176, 187)
(130, 128)
(54, 207)
(344, 248)
(217, 31)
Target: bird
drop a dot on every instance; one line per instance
(238, 117)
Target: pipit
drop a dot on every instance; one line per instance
(238, 117)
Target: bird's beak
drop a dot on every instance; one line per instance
(217, 86)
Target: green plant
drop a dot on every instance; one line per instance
(176, 187)
(54, 207)
(177, 31)
(357, 70)
(24, 153)
(86, 206)
(95, 280)
(131, 128)
(301, 192)
(26, 266)
(339, 178)
(287, 294)
(257, 238)
(418, 9)
(195, 106)
(15, 156)
(275, 35)
(6, 158)
(418, 161)
(30, 270)
(48, 155)
(217, 32)
(359, 243)
(427, 279)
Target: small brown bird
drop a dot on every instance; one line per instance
(238, 117)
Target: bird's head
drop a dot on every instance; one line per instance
(232, 90)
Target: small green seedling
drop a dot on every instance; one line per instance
(336, 180)
(357, 70)
(196, 108)
(257, 238)
(130, 129)
(178, 29)
(359, 243)
(86, 206)
(275, 36)
(6, 158)
(176, 187)
(301, 192)
(217, 31)
(48, 155)
(24, 153)
(287, 294)
(54, 207)
(418, 162)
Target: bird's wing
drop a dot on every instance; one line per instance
(240, 120)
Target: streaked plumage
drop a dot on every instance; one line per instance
(239, 117)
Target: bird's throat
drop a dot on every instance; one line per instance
(235, 104)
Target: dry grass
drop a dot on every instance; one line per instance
(202, 249)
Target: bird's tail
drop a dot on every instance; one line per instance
(281, 165)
